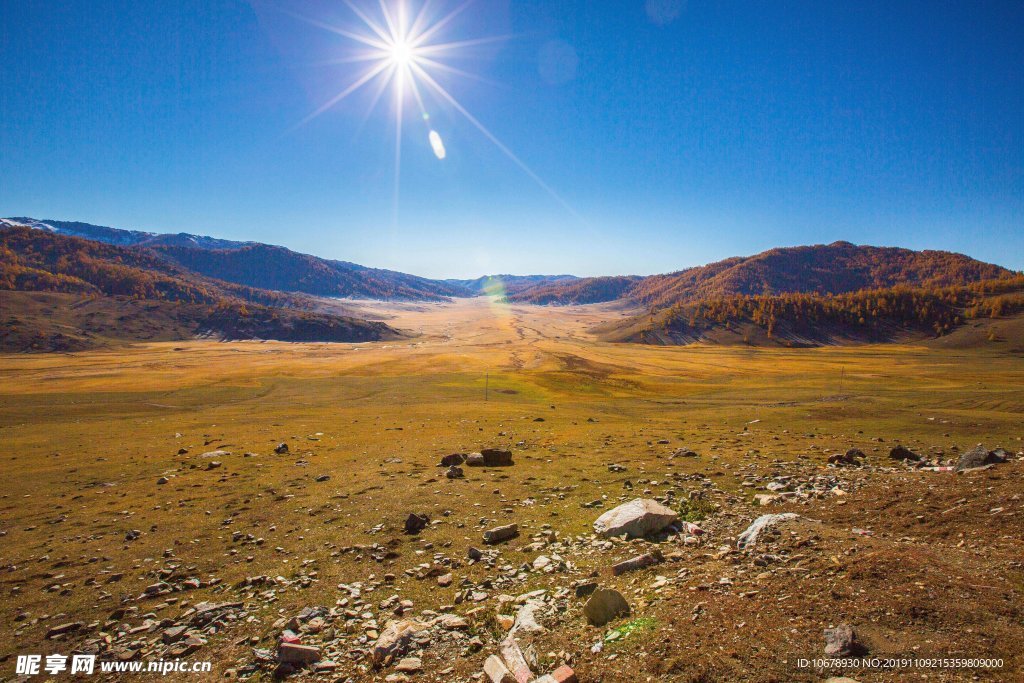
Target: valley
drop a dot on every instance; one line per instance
(146, 484)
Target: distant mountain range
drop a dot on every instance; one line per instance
(69, 293)
(84, 259)
(123, 238)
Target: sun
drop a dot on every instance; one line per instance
(401, 53)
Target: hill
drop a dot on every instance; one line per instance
(97, 292)
(808, 319)
(259, 265)
(589, 290)
(836, 268)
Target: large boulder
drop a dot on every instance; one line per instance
(636, 519)
(604, 605)
(979, 456)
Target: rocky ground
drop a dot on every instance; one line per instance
(892, 554)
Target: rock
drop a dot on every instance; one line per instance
(496, 671)
(979, 457)
(853, 457)
(684, 453)
(416, 523)
(475, 554)
(840, 679)
(323, 477)
(475, 460)
(563, 674)
(515, 661)
(501, 533)
(526, 618)
(215, 454)
(636, 519)
(173, 634)
(394, 640)
(453, 622)
(749, 537)
(213, 464)
(281, 448)
(615, 467)
(764, 499)
(162, 480)
(454, 472)
(638, 562)
(63, 629)
(604, 605)
(903, 453)
(494, 457)
(444, 580)
(452, 460)
(841, 641)
(293, 653)
(409, 665)
(585, 589)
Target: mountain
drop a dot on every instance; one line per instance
(278, 268)
(509, 284)
(124, 238)
(834, 268)
(260, 265)
(590, 290)
(98, 292)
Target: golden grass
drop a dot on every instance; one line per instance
(87, 435)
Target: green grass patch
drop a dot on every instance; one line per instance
(633, 627)
(695, 510)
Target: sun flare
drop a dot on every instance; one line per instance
(404, 53)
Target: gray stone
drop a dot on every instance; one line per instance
(501, 533)
(841, 641)
(294, 653)
(496, 671)
(749, 537)
(979, 456)
(636, 519)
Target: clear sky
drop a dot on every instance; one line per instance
(667, 133)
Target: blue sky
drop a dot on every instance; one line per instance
(672, 133)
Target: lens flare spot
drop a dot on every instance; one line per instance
(437, 144)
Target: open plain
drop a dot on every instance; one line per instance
(141, 482)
